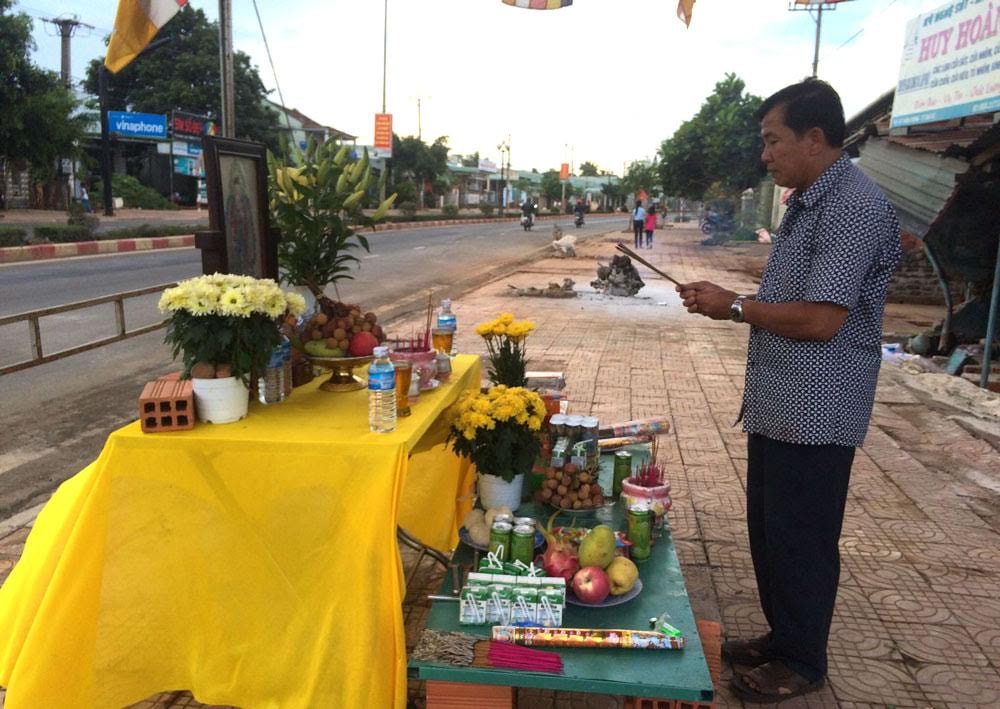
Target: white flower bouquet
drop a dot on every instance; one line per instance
(225, 319)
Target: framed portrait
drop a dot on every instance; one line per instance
(240, 238)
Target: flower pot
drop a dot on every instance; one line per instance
(657, 498)
(494, 491)
(222, 400)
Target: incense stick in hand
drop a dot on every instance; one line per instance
(633, 255)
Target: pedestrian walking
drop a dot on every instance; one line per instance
(812, 364)
(638, 222)
(650, 225)
(84, 198)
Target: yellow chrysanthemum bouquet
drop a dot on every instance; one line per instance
(505, 340)
(227, 319)
(498, 430)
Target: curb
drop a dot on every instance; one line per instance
(41, 252)
(38, 252)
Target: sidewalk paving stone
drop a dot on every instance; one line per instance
(917, 617)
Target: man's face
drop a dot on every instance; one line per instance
(785, 154)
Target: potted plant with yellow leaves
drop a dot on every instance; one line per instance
(225, 327)
(505, 342)
(498, 432)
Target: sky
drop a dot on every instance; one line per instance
(604, 81)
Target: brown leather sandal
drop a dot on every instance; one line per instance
(772, 682)
(752, 653)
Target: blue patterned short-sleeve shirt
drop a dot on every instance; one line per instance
(838, 243)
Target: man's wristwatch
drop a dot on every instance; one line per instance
(736, 309)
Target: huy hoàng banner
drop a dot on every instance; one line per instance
(951, 64)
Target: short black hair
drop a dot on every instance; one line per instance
(812, 103)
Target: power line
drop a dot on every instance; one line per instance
(274, 73)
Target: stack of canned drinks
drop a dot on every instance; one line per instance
(513, 538)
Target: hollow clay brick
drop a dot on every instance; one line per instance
(166, 405)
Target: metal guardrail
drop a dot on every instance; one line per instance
(32, 317)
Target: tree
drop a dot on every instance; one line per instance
(589, 169)
(183, 74)
(420, 164)
(37, 121)
(719, 145)
(551, 186)
(471, 160)
(640, 176)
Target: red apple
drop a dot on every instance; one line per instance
(591, 584)
(362, 344)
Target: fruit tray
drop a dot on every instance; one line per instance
(607, 602)
(341, 372)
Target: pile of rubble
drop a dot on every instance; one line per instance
(620, 278)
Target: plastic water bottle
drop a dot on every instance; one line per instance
(270, 385)
(446, 318)
(381, 393)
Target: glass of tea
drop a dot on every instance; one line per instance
(404, 376)
(442, 339)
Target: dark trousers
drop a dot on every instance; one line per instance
(637, 225)
(795, 508)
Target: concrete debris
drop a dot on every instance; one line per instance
(619, 278)
(554, 290)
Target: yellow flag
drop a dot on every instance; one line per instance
(136, 23)
(684, 9)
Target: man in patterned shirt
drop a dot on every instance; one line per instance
(812, 365)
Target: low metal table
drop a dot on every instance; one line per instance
(666, 674)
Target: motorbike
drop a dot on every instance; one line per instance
(712, 223)
(527, 221)
(579, 219)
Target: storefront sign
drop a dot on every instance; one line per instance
(564, 171)
(190, 124)
(137, 125)
(487, 165)
(951, 64)
(383, 133)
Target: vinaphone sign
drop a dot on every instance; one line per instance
(151, 126)
(951, 64)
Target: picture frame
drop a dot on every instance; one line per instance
(240, 239)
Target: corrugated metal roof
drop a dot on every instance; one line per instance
(917, 182)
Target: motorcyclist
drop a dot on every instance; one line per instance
(579, 210)
(528, 211)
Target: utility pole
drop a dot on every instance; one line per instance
(67, 28)
(420, 133)
(819, 6)
(226, 63)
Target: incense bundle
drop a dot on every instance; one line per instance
(636, 257)
(512, 657)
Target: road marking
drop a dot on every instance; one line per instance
(9, 461)
(371, 256)
(419, 248)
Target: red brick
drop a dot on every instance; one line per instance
(166, 405)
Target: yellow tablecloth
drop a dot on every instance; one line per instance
(254, 563)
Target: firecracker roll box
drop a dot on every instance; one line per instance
(505, 599)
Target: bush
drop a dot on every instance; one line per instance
(147, 230)
(449, 211)
(62, 233)
(486, 209)
(79, 217)
(12, 236)
(409, 209)
(135, 194)
(553, 210)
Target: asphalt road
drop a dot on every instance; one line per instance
(56, 416)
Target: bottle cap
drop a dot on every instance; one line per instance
(381, 352)
(590, 422)
(446, 303)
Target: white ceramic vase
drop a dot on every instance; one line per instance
(494, 491)
(222, 400)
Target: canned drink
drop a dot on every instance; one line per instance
(522, 543)
(504, 517)
(622, 471)
(640, 531)
(530, 521)
(500, 534)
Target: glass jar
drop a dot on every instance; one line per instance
(590, 433)
(574, 427)
(557, 425)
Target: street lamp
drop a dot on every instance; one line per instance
(503, 146)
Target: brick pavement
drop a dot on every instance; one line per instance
(917, 617)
